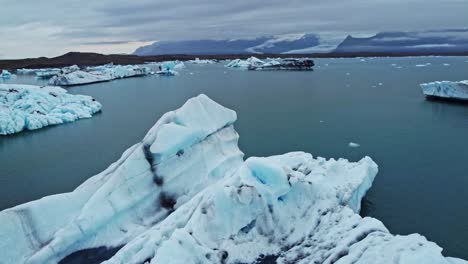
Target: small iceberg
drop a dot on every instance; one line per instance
(446, 90)
(423, 65)
(32, 107)
(245, 64)
(353, 145)
(285, 65)
(198, 61)
(5, 74)
(167, 69)
(184, 194)
(47, 73)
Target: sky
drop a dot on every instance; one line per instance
(34, 28)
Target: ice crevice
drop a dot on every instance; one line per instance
(184, 194)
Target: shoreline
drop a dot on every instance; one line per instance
(93, 59)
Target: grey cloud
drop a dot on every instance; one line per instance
(120, 21)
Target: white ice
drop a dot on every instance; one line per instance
(446, 89)
(33, 107)
(74, 76)
(245, 64)
(5, 74)
(198, 61)
(184, 195)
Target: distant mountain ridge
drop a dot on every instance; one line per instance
(273, 44)
(452, 41)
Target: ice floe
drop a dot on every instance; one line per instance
(353, 145)
(446, 89)
(198, 61)
(254, 63)
(75, 76)
(32, 107)
(423, 65)
(184, 195)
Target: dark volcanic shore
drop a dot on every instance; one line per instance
(92, 59)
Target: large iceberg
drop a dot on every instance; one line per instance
(33, 107)
(184, 195)
(446, 90)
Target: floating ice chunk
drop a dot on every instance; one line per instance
(33, 107)
(5, 74)
(245, 64)
(423, 65)
(184, 195)
(353, 145)
(446, 64)
(74, 76)
(79, 77)
(198, 61)
(446, 89)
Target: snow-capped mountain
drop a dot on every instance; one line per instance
(422, 42)
(273, 44)
(446, 41)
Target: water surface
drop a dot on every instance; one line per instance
(421, 146)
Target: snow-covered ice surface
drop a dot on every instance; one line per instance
(33, 107)
(184, 195)
(446, 89)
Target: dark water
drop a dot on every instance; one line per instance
(421, 146)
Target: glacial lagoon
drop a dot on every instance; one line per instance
(375, 103)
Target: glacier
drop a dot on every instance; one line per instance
(32, 107)
(73, 75)
(184, 194)
(446, 90)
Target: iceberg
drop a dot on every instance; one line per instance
(79, 77)
(245, 64)
(198, 61)
(184, 194)
(446, 90)
(167, 68)
(5, 74)
(254, 63)
(32, 107)
(74, 76)
(47, 74)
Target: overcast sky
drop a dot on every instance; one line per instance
(33, 28)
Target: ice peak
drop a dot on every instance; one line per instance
(198, 118)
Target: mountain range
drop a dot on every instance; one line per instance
(444, 42)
